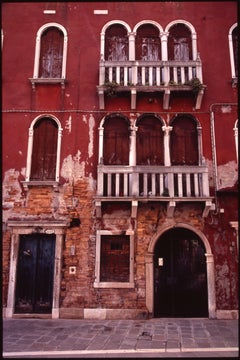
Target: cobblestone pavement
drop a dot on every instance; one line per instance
(47, 338)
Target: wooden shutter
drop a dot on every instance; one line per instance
(179, 39)
(51, 54)
(116, 142)
(116, 43)
(150, 142)
(44, 151)
(148, 46)
(184, 142)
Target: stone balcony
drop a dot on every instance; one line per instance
(145, 183)
(163, 77)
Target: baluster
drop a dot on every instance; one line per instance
(205, 186)
(150, 75)
(161, 185)
(175, 77)
(143, 75)
(118, 74)
(110, 74)
(109, 184)
(153, 184)
(158, 80)
(117, 183)
(182, 75)
(188, 184)
(145, 184)
(125, 184)
(196, 191)
(170, 183)
(180, 185)
(125, 81)
(190, 73)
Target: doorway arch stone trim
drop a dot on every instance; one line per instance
(149, 264)
(30, 227)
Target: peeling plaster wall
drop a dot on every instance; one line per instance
(228, 174)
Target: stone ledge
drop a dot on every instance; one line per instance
(114, 314)
(227, 314)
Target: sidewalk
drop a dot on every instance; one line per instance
(46, 338)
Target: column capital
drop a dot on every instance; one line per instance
(167, 129)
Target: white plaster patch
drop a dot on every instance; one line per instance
(68, 125)
(72, 169)
(23, 171)
(11, 192)
(91, 125)
(226, 109)
(227, 174)
(92, 183)
(84, 119)
(116, 220)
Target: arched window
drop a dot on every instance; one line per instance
(233, 49)
(149, 143)
(116, 141)
(184, 149)
(148, 44)
(116, 43)
(44, 149)
(180, 43)
(50, 52)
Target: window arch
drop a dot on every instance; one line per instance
(182, 38)
(114, 37)
(149, 144)
(184, 143)
(116, 43)
(116, 140)
(148, 44)
(44, 144)
(233, 49)
(50, 52)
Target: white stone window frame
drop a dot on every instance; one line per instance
(161, 35)
(231, 52)
(117, 284)
(36, 78)
(193, 34)
(30, 149)
(103, 32)
(235, 129)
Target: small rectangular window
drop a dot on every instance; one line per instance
(115, 258)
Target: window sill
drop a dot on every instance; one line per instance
(27, 184)
(108, 285)
(35, 81)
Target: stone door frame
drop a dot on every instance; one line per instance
(24, 228)
(149, 266)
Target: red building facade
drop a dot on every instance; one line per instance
(120, 137)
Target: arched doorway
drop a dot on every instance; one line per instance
(180, 275)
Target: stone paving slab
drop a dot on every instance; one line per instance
(24, 336)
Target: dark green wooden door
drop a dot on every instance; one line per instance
(35, 272)
(180, 279)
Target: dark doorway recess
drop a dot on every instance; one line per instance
(35, 273)
(180, 278)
